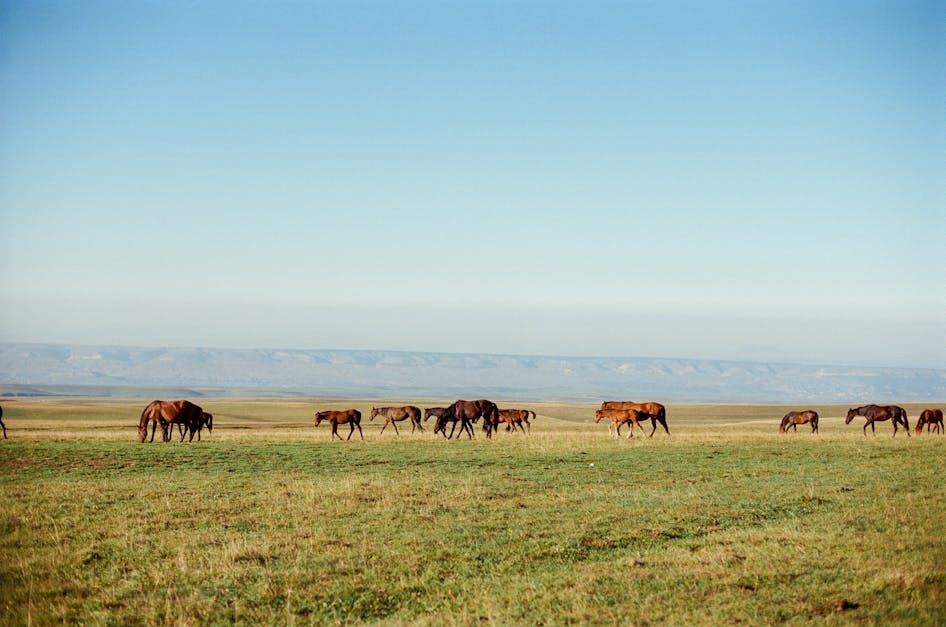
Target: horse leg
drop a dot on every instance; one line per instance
(383, 427)
(394, 424)
(360, 432)
(351, 430)
(4, 429)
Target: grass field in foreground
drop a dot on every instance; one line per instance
(267, 521)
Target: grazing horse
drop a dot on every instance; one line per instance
(655, 411)
(436, 412)
(440, 425)
(618, 418)
(206, 420)
(931, 417)
(393, 415)
(335, 418)
(3, 425)
(879, 413)
(794, 418)
(466, 413)
(167, 414)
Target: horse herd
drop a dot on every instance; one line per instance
(191, 419)
(932, 419)
(464, 413)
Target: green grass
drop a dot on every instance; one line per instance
(267, 521)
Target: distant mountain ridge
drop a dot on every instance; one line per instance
(28, 369)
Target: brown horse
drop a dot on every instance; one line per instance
(619, 418)
(467, 413)
(167, 414)
(393, 415)
(794, 418)
(655, 411)
(930, 417)
(350, 416)
(3, 425)
(879, 413)
(513, 419)
(516, 418)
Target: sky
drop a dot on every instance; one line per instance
(721, 180)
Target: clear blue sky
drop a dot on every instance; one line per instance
(738, 180)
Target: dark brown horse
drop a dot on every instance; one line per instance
(350, 416)
(619, 418)
(436, 412)
(393, 415)
(3, 425)
(467, 413)
(792, 419)
(166, 414)
(442, 418)
(879, 413)
(206, 420)
(930, 418)
(655, 411)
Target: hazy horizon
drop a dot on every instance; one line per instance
(725, 180)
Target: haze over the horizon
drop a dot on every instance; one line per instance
(719, 180)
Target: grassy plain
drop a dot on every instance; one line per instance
(267, 521)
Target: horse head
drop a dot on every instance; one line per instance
(319, 417)
(850, 416)
(208, 420)
(374, 412)
(598, 415)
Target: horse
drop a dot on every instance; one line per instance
(655, 411)
(206, 420)
(392, 415)
(350, 416)
(466, 413)
(879, 413)
(618, 418)
(794, 418)
(513, 418)
(436, 412)
(930, 417)
(3, 425)
(166, 414)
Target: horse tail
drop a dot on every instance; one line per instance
(781, 427)
(906, 421)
